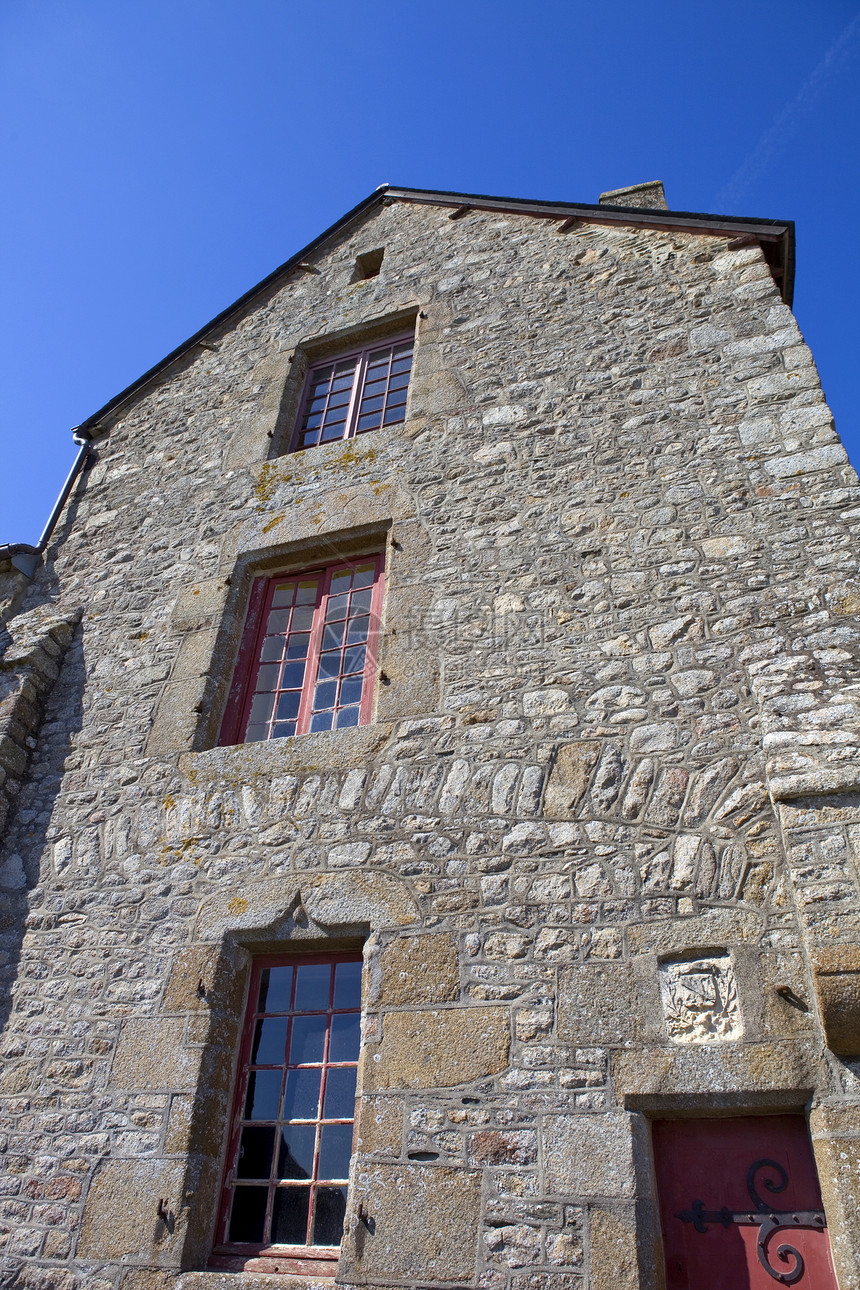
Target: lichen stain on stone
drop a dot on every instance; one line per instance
(237, 905)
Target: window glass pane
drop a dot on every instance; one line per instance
(248, 1215)
(369, 422)
(308, 1040)
(273, 648)
(290, 1215)
(261, 708)
(263, 1096)
(358, 629)
(313, 982)
(325, 695)
(363, 575)
(336, 607)
(307, 592)
(270, 1040)
(255, 733)
(321, 721)
(339, 1095)
(313, 421)
(302, 1095)
(335, 1151)
(293, 675)
(255, 1153)
(329, 665)
(332, 432)
(308, 440)
(347, 717)
(297, 646)
(347, 985)
(361, 600)
(333, 635)
(350, 690)
(329, 1212)
(282, 729)
(372, 405)
(303, 617)
(279, 621)
(296, 1154)
(340, 581)
(345, 1039)
(267, 677)
(275, 986)
(393, 415)
(288, 705)
(283, 594)
(353, 659)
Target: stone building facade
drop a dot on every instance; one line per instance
(598, 841)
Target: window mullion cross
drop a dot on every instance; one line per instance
(303, 720)
(355, 398)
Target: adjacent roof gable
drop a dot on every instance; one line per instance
(776, 238)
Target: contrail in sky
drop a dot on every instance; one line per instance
(777, 135)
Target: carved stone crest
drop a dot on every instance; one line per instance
(700, 1000)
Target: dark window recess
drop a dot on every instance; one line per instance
(368, 265)
(291, 1139)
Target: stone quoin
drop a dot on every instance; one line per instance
(459, 636)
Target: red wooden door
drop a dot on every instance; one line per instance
(740, 1205)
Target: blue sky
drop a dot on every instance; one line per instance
(161, 156)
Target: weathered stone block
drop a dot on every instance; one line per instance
(420, 969)
(589, 1155)
(613, 1250)
(121, 1219)
(597, 1004)
(836, 974)
(379, 1128)
(425, 1223)
(438, 1049)
(569, 778)
(150, 1055)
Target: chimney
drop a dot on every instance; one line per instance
(648, 196)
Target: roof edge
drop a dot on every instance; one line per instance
(765, 230)
(92, 422)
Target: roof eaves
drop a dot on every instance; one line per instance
(777, 234)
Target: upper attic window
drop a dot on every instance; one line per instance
(368, 265)
(355, 393)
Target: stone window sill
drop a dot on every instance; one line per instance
(331, 749)
(251, 1281)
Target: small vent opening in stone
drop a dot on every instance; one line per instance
(368, 265)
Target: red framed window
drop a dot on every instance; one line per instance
(355, 393)
(308, 656)
(290, 1145)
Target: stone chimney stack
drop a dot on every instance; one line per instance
(648, 196)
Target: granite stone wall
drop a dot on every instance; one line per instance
(615, 742)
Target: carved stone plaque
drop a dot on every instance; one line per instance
(700, 1000)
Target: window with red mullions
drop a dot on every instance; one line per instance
(308, 657)
(356, 393)
(291, 1140)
